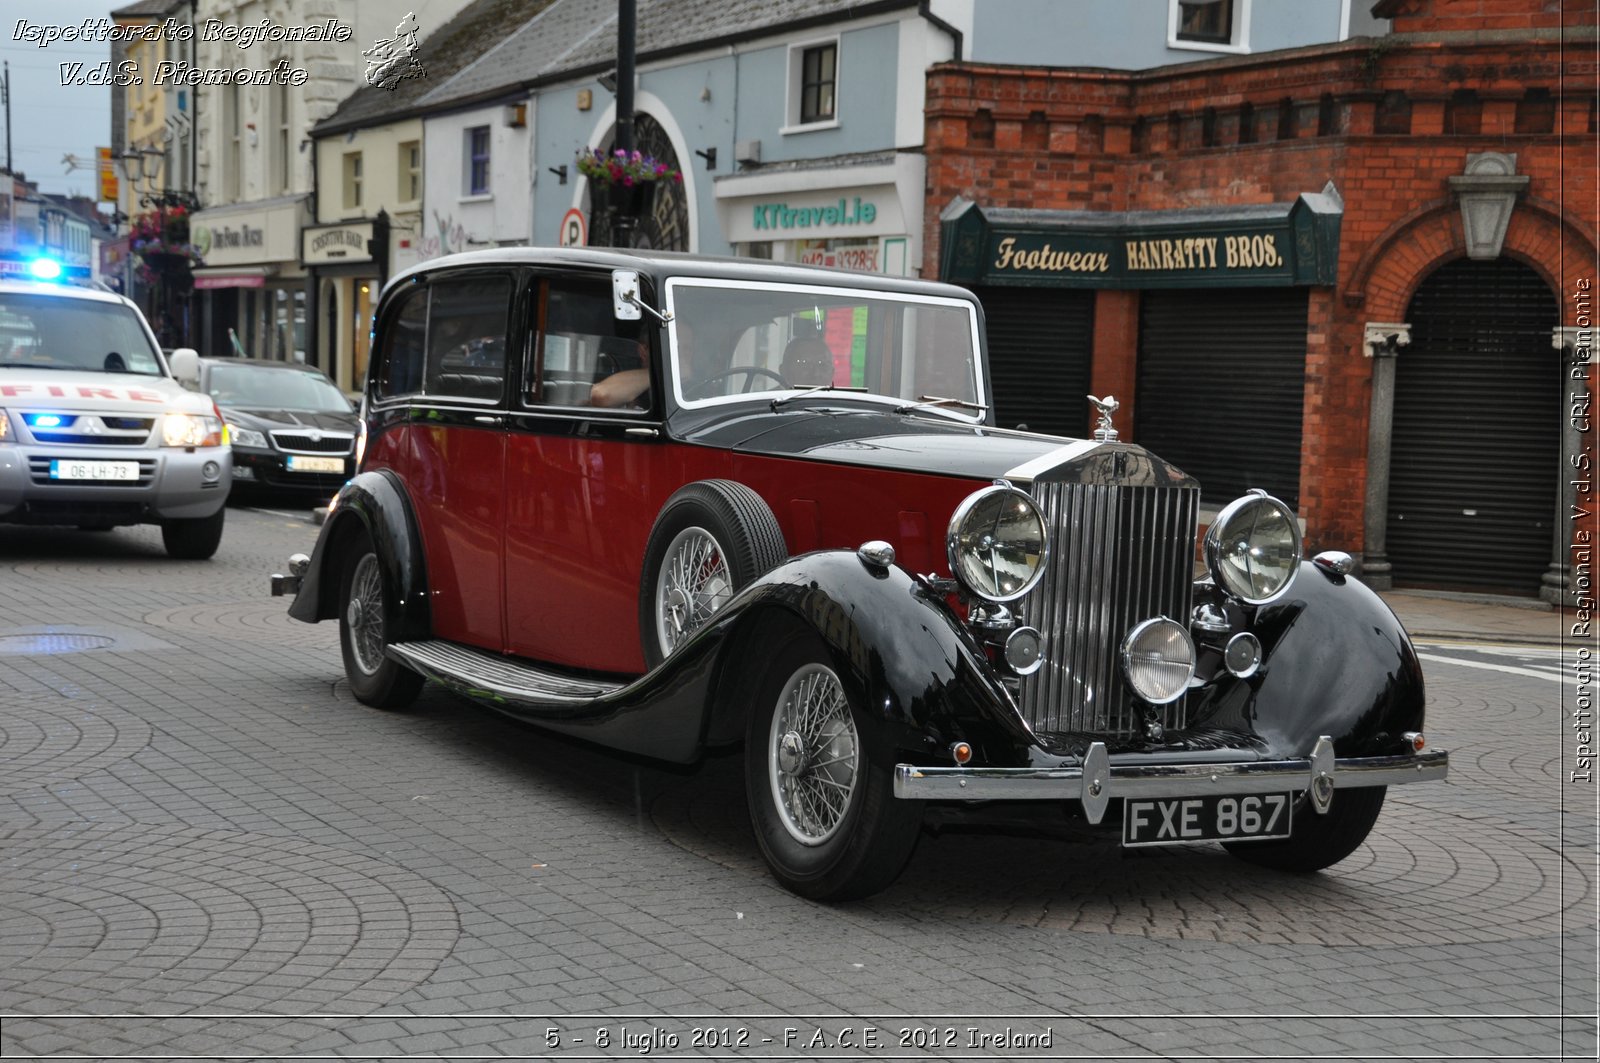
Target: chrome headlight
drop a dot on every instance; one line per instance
(1253, 548)
(247, 437)
(1158, 659)
(997, 543)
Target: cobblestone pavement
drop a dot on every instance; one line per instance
(208, 848)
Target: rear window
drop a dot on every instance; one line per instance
(56, 332)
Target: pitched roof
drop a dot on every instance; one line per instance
(474, 30)
(146, 9)
(575, 35)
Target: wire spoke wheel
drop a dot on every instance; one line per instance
(813, 755)
(365, 615)
(695, 581)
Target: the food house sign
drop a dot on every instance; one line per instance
(1281, 244)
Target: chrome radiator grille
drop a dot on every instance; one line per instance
(1119, 555)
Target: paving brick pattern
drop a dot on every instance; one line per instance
(207, 847)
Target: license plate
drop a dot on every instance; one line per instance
(1188, 820)
(301, 463)
(94, 470)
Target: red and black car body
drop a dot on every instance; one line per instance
(887, 597)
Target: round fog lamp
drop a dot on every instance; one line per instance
(1253, 548)
(1158, 660)
(1025, 650)
(997, 544)
(1242, 655)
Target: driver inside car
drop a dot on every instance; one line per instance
(808, 362)
(626, 387)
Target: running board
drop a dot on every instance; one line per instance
(478, 674)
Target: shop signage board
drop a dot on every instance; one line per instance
(343, 242)
(1272, 245)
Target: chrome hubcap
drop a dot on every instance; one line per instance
(694, 583)
(364, 615)
(814, 756)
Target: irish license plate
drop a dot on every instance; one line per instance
(1187, 820)
(301, 463)
(94, 470)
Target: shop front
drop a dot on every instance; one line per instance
(252, 288)
(347, 261)
(858, 212)
(1196, 319)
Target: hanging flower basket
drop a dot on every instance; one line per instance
(623, 183)
(162, 242)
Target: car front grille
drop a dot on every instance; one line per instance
(105, 430)
(321, 443)
(39, 473)
(1119, 555)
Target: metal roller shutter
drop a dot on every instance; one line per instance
(1040, 342)
(1477, 431)
(1221, 387)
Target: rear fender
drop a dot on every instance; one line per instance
(373, 505)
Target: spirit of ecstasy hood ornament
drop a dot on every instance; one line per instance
(1103, 432)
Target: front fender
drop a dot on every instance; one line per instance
(923, 680)
(374, 505)
(1336, 662)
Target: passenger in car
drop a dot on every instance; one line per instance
(626, 387)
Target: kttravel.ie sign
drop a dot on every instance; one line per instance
(1270, 244)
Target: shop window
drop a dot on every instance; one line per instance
(410, 171)
(477, 161)
(403, 352)
(1394, 114)
(1536, 112)
(813, 84)
(1209, 25)
(352, 180)
(468, 325)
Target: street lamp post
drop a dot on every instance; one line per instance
(624, 222)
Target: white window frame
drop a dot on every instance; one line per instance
(354, 171)
(1239, 44)
(796, 74)
(407, 172)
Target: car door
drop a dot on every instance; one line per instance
(454, 456)
(583, 482)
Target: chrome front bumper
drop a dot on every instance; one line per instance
(1098, 779)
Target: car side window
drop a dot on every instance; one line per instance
(468, 324)
(401, 351)
(586, 357)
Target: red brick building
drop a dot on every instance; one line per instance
(1358, 275)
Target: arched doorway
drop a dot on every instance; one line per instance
(666, 227)
(1476, 439)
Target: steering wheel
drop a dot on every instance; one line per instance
(702, 388)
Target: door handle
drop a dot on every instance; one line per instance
(651, 432)
(484, 418)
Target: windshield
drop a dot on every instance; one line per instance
(84, 335)
(263, 387)
(732, 339)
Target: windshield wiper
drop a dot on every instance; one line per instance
(924, 401)
(810, 389)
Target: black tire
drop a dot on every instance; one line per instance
(195, 539)
(813, 850)
(1319, 841)
(745, 537)
(375, 678)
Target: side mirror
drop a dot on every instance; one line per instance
(625, 294)
(185, 363)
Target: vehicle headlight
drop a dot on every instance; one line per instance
(5, 427)
(191, 430)
(1158, 659)
(997, 543)
(247, 437)
(1253, 548)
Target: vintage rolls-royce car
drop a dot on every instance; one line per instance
(669, 503)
